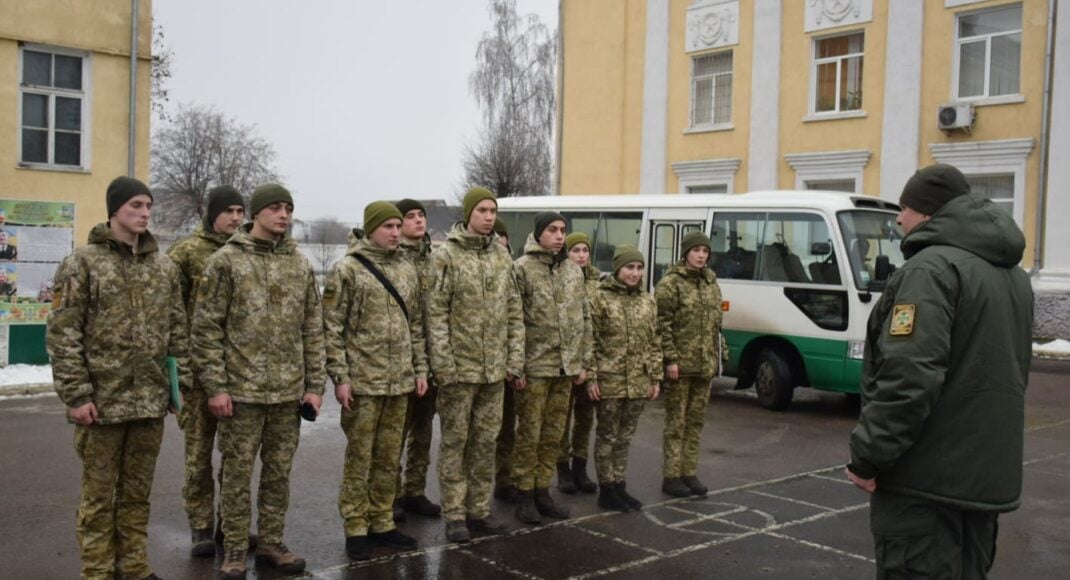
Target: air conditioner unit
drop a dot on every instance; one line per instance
(955, 116)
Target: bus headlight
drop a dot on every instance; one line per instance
(856, 349)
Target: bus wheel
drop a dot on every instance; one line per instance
(773, 381)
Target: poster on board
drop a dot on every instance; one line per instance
(35, 236)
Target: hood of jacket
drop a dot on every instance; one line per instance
(972, 223)
(459, 235)
(366, 248)
(211, 235)
(533, 249)
(245, 239)
(101, 234)
(681, 269)
(614, 284)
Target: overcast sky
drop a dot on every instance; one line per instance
(362, 99)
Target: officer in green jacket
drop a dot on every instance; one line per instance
(948, 347)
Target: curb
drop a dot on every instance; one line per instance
(30, 389)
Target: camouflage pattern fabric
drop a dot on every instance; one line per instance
(627, 353)
(373, 433)
(258, 325)
(541, 409)
(417, 435)
(689, 320)
(617, 420)
(370, 343)
(471, 416)
(117, 315)
(557, 324)
(685, 414)
(191, 255)
(118, 463)
(274, 431)
(199, 428)
(474, 313)
(579, 423)
(506, 440)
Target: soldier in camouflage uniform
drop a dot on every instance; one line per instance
(627, 370)
(376, 358)
(557, 331)
(225, 212)
(477, 340)
(258, 352)
(579, 420)
(504, 489)
(419, 421)
(689, 322)
(117, 315)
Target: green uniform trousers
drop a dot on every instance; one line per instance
(685, 413)
(198, 429)
(118, 463)
(503, 449)
(579, 421)
(617, 420)
(917, 538)
(373, 430)
(419, 430)
(471, 416)
(274, 431)
(541, 409)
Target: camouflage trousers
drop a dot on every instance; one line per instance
(373, 430)
(579, 421)
(274, 431)
(503, 449)
(199, 426)
(617, 420)
(685, 413)
(471, 416)
(118, 463)
(419, 430)
(541, 409)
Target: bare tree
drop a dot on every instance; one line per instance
(514, 86)
(323, 236)
(162, 57)
(200, 149)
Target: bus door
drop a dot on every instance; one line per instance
(665, 238)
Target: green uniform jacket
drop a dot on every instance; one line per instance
(474, 311)
(557, 323)
(370, 343)
(117, 315)
(689, 320)
(591, 279)
(627, 352)
(191, 254)
(948, 349)
(257, 326)
(419, 255)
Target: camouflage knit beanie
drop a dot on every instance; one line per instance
(543, 221)
(626, 254)
(407, 205)
(121, 190)
(219, 199)
(268, 194)
(930, 188)
(499, 227)
(692, 239)
(473, 197)
(577, 238)
(376, 213)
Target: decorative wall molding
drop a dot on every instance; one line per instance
(954, 3)
(1001, 156)
(707, 172)
(712, 24)
(829, 165)
(822, 14)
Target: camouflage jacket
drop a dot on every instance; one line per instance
(592, 277)
(689, 320)
(627, 352)
(474, 312)
(191, 254)
(557, 323)
(257, 324)
(117, 315)
(420, 257)
(370, 343)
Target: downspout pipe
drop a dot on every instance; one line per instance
(1045, 130)
(132, 137)
(560, 104)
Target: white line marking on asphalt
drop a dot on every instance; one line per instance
(1047, 425)
(498, 565)
(1046, 458)
(623, 541)
(822, 547)
(792, 500)
(840, 479)
(1045, 472)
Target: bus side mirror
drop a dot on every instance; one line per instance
(882, 268)
(820, 249)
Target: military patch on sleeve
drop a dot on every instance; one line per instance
(902, 320)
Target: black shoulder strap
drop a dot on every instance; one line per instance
(382, 280)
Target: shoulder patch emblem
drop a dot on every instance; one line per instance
(902, 320)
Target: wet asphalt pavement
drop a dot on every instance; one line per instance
(778, 507)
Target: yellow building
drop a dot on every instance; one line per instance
(728, 96)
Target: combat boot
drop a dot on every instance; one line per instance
(279, 557)
(547, 506)
(489, 525)
(202, 544)
(579, 476)
(565, 481)
(526, 511)
(233, 565)
(609, 499)
(507, 493)
(399, 511)
(627, 498)
(419, 504)
(694, 485)
(675, 487)
(393, 539)
(457, 531)
(358, 548)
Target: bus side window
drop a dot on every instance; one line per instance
(735, 244)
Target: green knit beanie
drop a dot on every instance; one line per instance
(377, 212)
(407, 205)
(473, 197)
(543, 220)
(219, 199)
(499, 227)
(121, 190)
(268, 194)
(577, 238)
(624, 255)
(692, 239)
(930, 188)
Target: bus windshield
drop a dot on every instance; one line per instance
(872, 240)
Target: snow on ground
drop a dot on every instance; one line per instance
(1057, 348)
(19, 375)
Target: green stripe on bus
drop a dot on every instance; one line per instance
(825, 359)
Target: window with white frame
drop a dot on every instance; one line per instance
(989, 52)
(837, 73)
(711, 90)
(53, 102)
(708, 188)
(998, 188)
(831, 185)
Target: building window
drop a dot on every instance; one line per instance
(989, 52)
(995, 169)
(837, 74)
(847, 185)
(710, 188)
(998, 188)
(53, 102)
(711, 90)
(829, 170)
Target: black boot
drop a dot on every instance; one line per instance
(507, 493)
(627, 497)
(694, 485)
(202, 544)
(547, 506)
(565, 483)
(579, 476)
(398, 511)
(675, 487)
(525, 508)
(609, 499)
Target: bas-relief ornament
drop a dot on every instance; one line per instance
(822, 14)
(712, 24)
